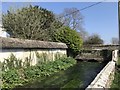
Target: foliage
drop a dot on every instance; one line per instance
(58, 55)
(93, 39)
(11, 78)
(116, 81)
(41, 58)
(31, 23)
(44, 57)
(118, 62)
(17, 77)
(27, 61)
(11, 63)
(14, 63)
(70, 37)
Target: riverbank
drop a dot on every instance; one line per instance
(116, 81)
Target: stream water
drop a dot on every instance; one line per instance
(75, 77)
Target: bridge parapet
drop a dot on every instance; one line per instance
(100, 47)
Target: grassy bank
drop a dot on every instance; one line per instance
(21, 76)
(116, 81)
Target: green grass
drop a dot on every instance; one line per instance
(118, 62)
(116, 81)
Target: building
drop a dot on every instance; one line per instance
(3, 33)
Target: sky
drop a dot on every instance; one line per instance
(100, 19)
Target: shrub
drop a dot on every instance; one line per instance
(11, 78)
(93, 39)
(11, 63)
(118, 62)
(116, 81)
(32, 22)
(70, 37)
(20, 76)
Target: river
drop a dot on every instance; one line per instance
(77, 76)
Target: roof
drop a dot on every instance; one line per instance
(21, 43)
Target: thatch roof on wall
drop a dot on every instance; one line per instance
(20, 43)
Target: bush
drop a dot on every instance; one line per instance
(70, 37)
(93, 39)
(11, 63)
(11, 79)
(32, 22)
(16, 77)
(118, 62)
(116, 81)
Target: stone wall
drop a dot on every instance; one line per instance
(22, 49)
(104, 78)
(23, 53)
(106, 75)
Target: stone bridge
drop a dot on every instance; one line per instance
(98, 52)
(100, 47)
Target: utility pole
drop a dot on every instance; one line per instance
(119, 20)
(119, 23)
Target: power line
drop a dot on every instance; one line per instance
(78, 11)
(97, 3)
(82, 9)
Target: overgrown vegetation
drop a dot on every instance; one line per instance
(19, 76)
(93, 39)
(37, 23)
(116, 81)
(14, 63)
(70, 37)
(32, 22)
(118, 62)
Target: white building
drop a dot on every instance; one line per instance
(3, 33)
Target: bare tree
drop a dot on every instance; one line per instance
(73, 18)
(114, 40)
